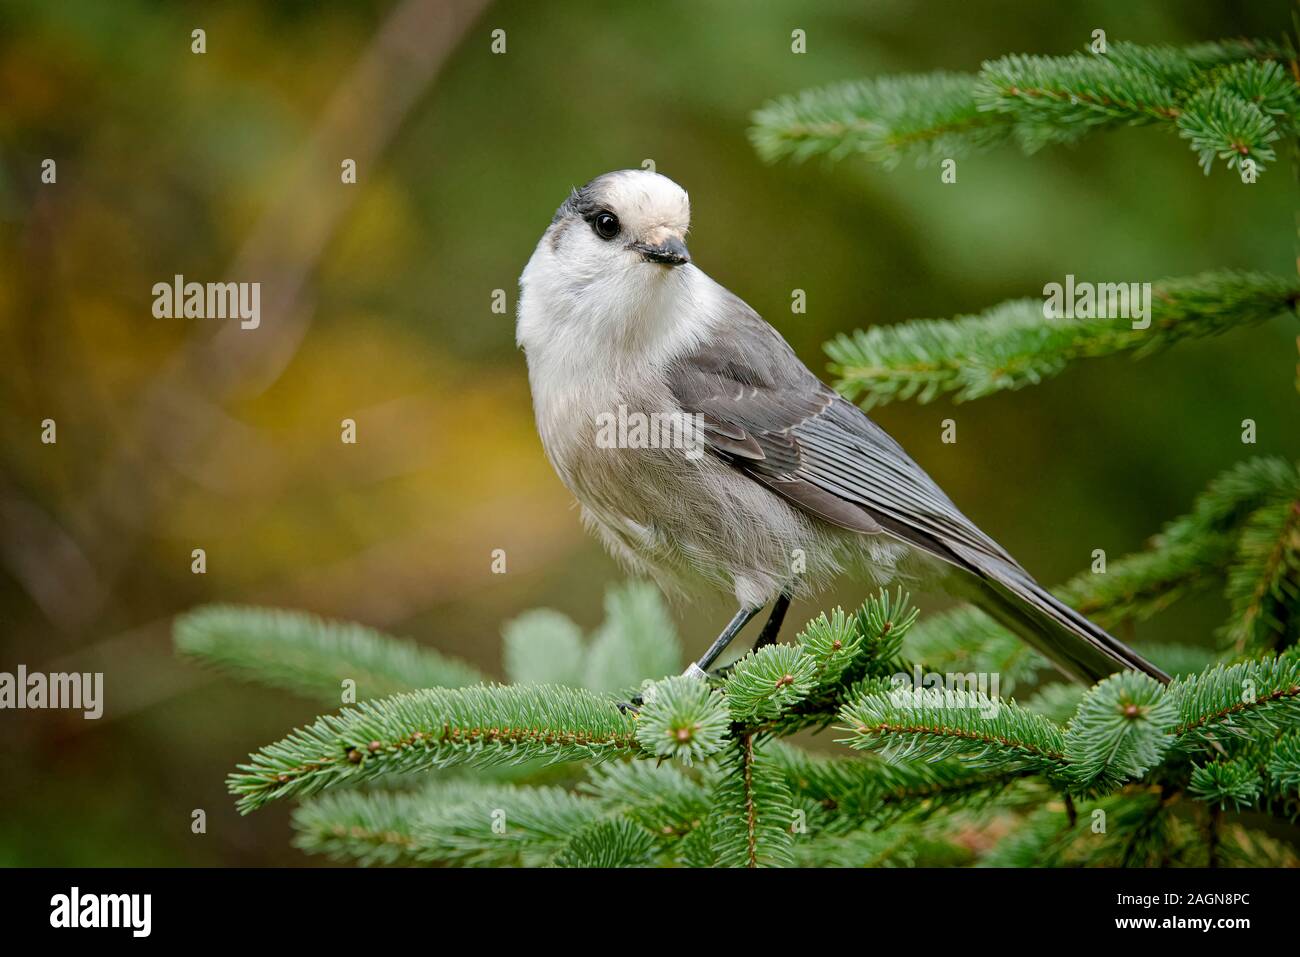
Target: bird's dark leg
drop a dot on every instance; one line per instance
(701, 668)
(767, 636)
(773, 627)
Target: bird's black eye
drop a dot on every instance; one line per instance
(605, 225)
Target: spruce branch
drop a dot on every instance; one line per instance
(949, 751)
(311, 656)
(1264, 581)
(662, 798)
(1181, 66)
(1014, 344)
(897, 846)
(753, 810)
(1189, 552)
(766, 683)
(458, 822)
(1267, 84)
(437, 727)
(360, 827)
(1231, 784)
(1236, 701)
(682, 718)
(1138, 586)
(926, 117)
(873, 791)
(1231, 99)
(884, 621)
(500, 826)
(1219, 124)
(1249, 105)
(879, 626)
(1055, 99)
(832, 643)
(610, 823)
(931, 724)
(1232, 496)
(611, 843)
(1283, 764)
(1120, 731)
(1223, 98)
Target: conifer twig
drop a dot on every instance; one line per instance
(312, 656)
(1013, 345)
(1231, 100)
(436, 727)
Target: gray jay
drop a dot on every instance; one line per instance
(778, 483)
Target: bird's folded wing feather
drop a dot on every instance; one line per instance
(764, 413)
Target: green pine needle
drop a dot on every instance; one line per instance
(1283, 767)
(1219, 124)
(833, 643)
(449, 822)
(924, 117)
(1121, 730)
(682, 718)
(883, 622)
(662, 798)
(853, 792)
(312, 656)
(437, 727)
(932, 724)
(1230, 100)
(493, 826)
(766, 683)
(753, 810)
(366, 828)
(613, 843)
(1236, 701)
(1014, 345)
(1264, 581)
(1228, 784)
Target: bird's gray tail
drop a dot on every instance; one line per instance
(1081, 649)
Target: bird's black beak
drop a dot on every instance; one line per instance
(670, 252)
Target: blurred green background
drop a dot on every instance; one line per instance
(177, 434)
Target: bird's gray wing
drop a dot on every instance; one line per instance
(774, 421)
(764, 413)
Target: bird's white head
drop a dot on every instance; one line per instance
(609, 271)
